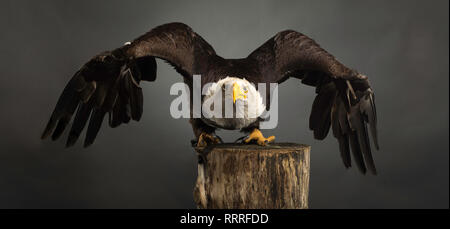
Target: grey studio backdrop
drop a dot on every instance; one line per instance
(401, 45)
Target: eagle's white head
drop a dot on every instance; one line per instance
(244, 97)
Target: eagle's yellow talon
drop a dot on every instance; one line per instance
(257, 136)
(205, 139)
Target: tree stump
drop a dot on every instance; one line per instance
(250, 176)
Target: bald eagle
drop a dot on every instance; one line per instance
(109, 84)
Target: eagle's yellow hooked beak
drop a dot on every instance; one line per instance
(237, 93)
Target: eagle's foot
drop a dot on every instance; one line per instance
(258, 137)
(206, 139)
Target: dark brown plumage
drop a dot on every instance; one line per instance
(109, 84)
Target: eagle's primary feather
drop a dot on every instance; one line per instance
(109, 84)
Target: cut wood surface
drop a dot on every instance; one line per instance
(251, 176)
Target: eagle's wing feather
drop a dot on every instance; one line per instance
(344, 98)
(109, 82)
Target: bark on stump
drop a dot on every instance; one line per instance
(251, 176)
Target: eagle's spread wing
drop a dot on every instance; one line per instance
(109, 82)
(344, 98)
